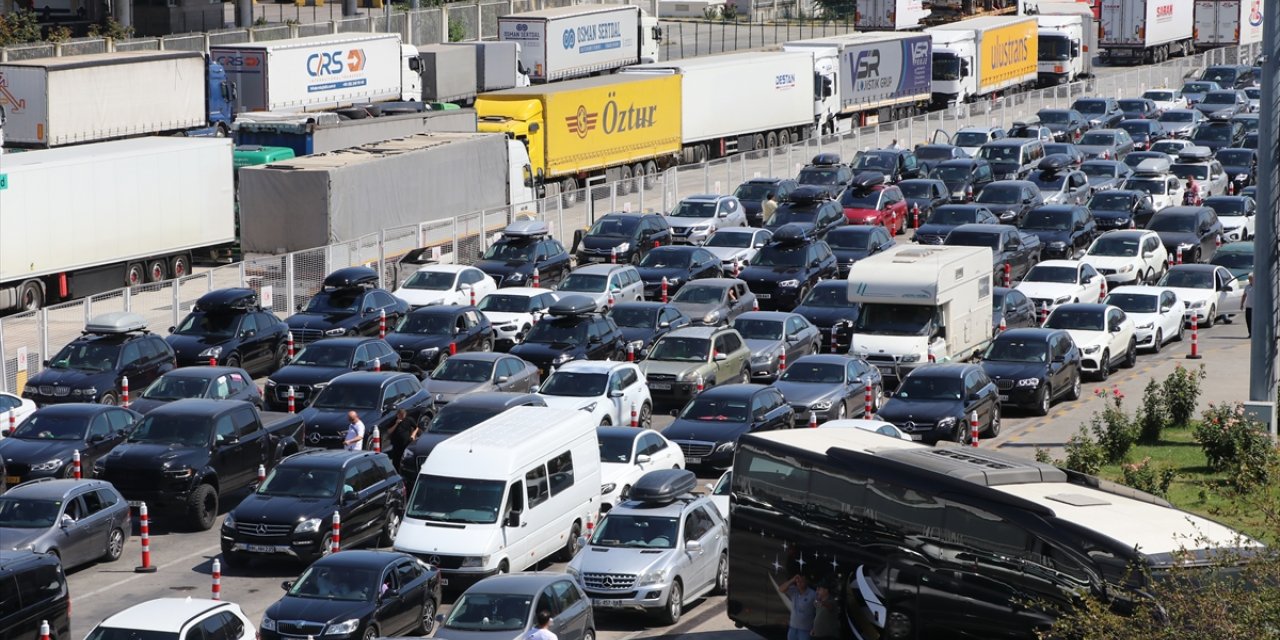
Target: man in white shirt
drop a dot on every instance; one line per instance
(541, 630)
(355, 433)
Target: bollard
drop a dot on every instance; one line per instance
(289, 341)
(377, 364)
(698, 384)
(1003, 325)
(1178, 260)
(1102, 293)
(1008, 275)
(915, 216)
(1195, 337)
(382, 323)
(44, 630)
(664, 289)
(610, 302)
(1044, 313)
(377, 441)
(13, 420)
(755, 304)
(813, 419)
(75, 465)
(213, 361)
(217, 580)
(473, 296)
(833, 339)
(868, 402)
(124, 392)
(591, 526)
(144, 533)
(335, 536)
(973, 428)
(292, 408)
(1217, 241)
(635, 418)
(782, 363)
(262, 474)
(453, 348)
(613, 255)
(537, 282)
(631, 353)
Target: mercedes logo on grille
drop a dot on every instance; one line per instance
(433, 560)
(262, 529)
(314, 437)
(608, 581)
(910, 425)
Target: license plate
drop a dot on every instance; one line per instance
(260, 548)
(693, 460)
(665, 386)
(135, 503)
(763, 296)
(884, 369)
(11, 480)
(1004, 397)
(916, 436)
(444, 582)
(607, 604)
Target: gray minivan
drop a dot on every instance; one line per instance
(1012, 158)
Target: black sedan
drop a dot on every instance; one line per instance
(228, 326)
(1121, 209)
(830, 387)
(429, 335)
(678, 265)
(1034, 367)
(947, 217)
(1139, 108)
(477, 372)
(708, 428)
(935, 401)
(322, 361)
(357, 594)
(374, 397)
(214, 383)
(828, 308)
(348, 304)
(456, 417)
(642, 323)
(1192, 231)
(923, 196)
(1144, 133)
(965, 178)
(853, 243)
(43, 445)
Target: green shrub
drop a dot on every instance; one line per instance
(1236, 445)
(1181, 393)
(1148, 476)
(1153, 417)
(1084, 454)
(1113, 429)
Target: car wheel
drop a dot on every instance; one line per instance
(109, 397)
(606, 421)
(115, 546)
(993, 427)
(840, 412)
(370, 633)
(962, 433)
(1159, 339)
(1043, 400)
(589, 634)
(1104, 366)
(625, 493)
(427, 624)
(389, 529)
(674, 607)
(722, 575)
(1130, 356)
(1074, 393)
(1182, 331)
(646, 416)
(571, 546)
(233, 360)
(486, 345)
(1206, 322)
(281, 359)
(202, 508)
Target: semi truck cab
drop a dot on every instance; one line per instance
(410, 74)
(954, 80)
(521, 121)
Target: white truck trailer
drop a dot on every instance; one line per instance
(1146, 31)
(321, 72)
(581, 40)
(1228, 23)
(982, 57)
(84, 219)
(1068, 41)
(890, 15)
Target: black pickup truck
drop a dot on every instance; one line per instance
(186, 456)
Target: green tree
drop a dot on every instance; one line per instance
(19, 27)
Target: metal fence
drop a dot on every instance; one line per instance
(291, 279)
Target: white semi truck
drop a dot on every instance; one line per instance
(581, 40)
(983, 57)
(1068, 41)
(1146, 31)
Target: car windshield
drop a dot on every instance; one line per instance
(1178, 116)
(455, 418)
(716, 409)
(973, 239)
(681, 349)
(1042, 220)
(1168, 147)
(1048, 273)
(855, 198)
(620, 226)
(575, 384)
(895, 319)
(427, 324)
(17, 513)
(1159, 96)
(1228, 207)
(430, 281)
(699, 294)
(324, 355)
(1219, 97)
(818, 175)
(1213, 132)
(954, 216)
(1199, 87)
(667, 258)
(463, 370)
(849, 238)
(1015, 350)
(213, 325)
(935, 153)
(1098, 138)
(793, 212)
(51, 427)
(344, 396)
(951, 173)
(833, 295)
(874, 161)
(1054, 117)
(490, 612)
(815, 372)
(971, 138)
(751, 191)
(1153, 186)
(635, 317)
(694, 209)
(753, 329)
(511, 251)
(506, 303)
(121, 633)
(567, 332)
(1078, 319)
(1115, 247)
(917, 190)
(773, 255)
(1236, 157)
(1173, 224)
(1188, 279)
(929, 388)
(1131, 105)
(1233, 259)
(335, 301)
(731, 240)
(616, 447)
(636, 531)
(169, 388)
(584, 282)
(336, 583)
(1000, 194)
(87, 356)
(1001, 153)
(1139, 130)
(1134, 302)
(1048, 181)
(300, 482)
(458, 500)
(180, 430)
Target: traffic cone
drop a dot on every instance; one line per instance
(973, 428)
(813, 419)
(1195, 337)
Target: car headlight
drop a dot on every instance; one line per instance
(1199, 304)
(1126, 269)
(310, 525)
(636, 345)
(85, 393)
(319, 385)
(1242, 176)
(562, 358)
(947, 423)
(726, 446)
(623, 248)
(429, 352)
(653, 577)
(1058, 245)
(1146, 326)
(474, 561)
(1093, 348)
(180, 473)
(911, 357)
(589, 408)
(821, 406)
(1029, 382)
(211, 352)
(702, 228)
(30, 389)
(50, 465)
(516, 277)
(335, 332)
(1062, 300)
(671, 282)
(342, 628)
(268, 624)
(787, 284)
(270, 382)
(712, 316)
(100, 467)
(573, 571)
(230, 521)
(606, 489)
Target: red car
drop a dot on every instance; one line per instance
(872, 202)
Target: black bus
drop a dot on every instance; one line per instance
(918, 542)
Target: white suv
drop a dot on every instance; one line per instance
(444, 284)
(1128, 256)
(179, 619)
(1105, 334)
(606, 389)
(512, 312)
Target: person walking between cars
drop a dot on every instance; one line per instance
(1192, 195)
(398, 437)
(1246, 303)
(768, 207)
(803, 607)
(542, 628)
(355, 433)
(826, 620)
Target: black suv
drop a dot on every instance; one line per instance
(91, 368)
(229, 327)
(348, 304)
(572, 330)
(965, 178)
(525, 246)
(895, 164)
(458, 416)
(1033, 367)
(784, 270)
(621, 237)
(1065, 230)
(290, 515)
(321, 361)
(429, 335)
(33, 589)
(934, 402)
(826, 173)
(375, 397)
(753, 193)
(812, 207)
(1067, 125)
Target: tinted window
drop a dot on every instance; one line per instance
(535, 482)
(561, 470)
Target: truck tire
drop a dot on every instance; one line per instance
(650, 175)
(179, 266)
(134, 274)
(771, 140)
(569, 191)
(784, 137)
(30, 296)
(624, 180)
(637, 178)
(157, 270)
(202, 508)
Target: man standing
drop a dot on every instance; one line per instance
(355, 433)
(541, 630)
(803, 603)
(768, 207)
(1246, 303)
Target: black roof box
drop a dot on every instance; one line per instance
(352, 277)
(809, 193)
(663, 485)
(1054, 162)
(574, 305)
(238, 299)
(793, 233)
(867, 179)
(826, 159)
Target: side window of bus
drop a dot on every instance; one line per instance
(784, 487)
(904, 509)
(982, 530)
(835, 493)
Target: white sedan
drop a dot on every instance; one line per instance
(1105, 334)
(877, 426)
(1055, 282)
(1157, 314)
(610, 391)
(1166, 98)
(1208, 290)
(1128, 256)
(626, 454)
(736, 245)
(445, 284)
(19, 407)
(512, 312)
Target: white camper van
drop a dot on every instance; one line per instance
(921, 304)
(505, 494)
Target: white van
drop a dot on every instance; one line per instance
(505, 494)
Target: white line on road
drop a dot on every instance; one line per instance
(83, 596)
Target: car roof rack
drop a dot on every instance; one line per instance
(351, 278)
(573, 305)
(234, 299)
(663, 486)
(527, 229)
(1195, 154)
(826, 159)
(794, 234)
(116, 323)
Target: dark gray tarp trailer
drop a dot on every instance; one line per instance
(341, 195)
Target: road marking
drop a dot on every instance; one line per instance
(83, 596)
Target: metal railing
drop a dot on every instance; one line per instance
(291, 279)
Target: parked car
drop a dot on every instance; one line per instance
(1209, 291)
(895, 164)
(512, 311)
(177, 618)
(427, 336)
(1010, 200)
(1128, 256)
(830, 387)
(1013, 308)
(685, 359)
(1121, 209)
(1032, 368)
(1034, 130)
(1241, 165)
(1152, 177)
(929, 155)
(1065, 231)
(935, 401)
(1229, 76)
(627, 454)
(1067, 125)
(319, 362)
(1236, 213)
(755, 191)
(506, 607)
(1008, 246)
(215, 383)
(1158, 315)
(868, 201)
(448, 284)
(43, 445)
(1058, 183)
(947, 217)
(1144, 133)
(354, 592)
(91, 367)
(573, 330)
(40, 586)
(1181, 123)
(923, 196)
(1105, 335)
(853, 243)
(825, 174)
(964, 179)
(621, 238)
(1218, 133)
(230, 327)
(1107, 144)
(970, 138)
(708, 428)
(714, 301)
(478, 372)
(735, 247)
(374, 397)
(775, 337)
(695, 218)
(1103, 113)
(1195, 90)
(811, 208)
(605, 284)
(1068, 149)
(1057, 282)
(828, 308)
(1223, 103)
(78, 521)
(1139, 108)
(348, 304)
(642, 323)
(525, 247)
(676, 265)
(608, 391)
(1237, 257)
(1198, 163)
(1105, 174)
(1193, 232)
(14, 407)
(1166, 99)
(454, 418)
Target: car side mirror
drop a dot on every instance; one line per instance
(286, 585)
(368, 310)
(171, 329)
(66, 521)
(1115, 328)
(720, 357)
(249, 333)
(664, 325)
(348, 495)
(582, 541)
(513, 520)
(1148, 254)
(45, 363)
(96, 438)
(1166, 308)
(390, 593)
(502, 379)
(360, 364)
(595, 339)
(228, 441)
(298, 307)
(644, 458)
(616, 393)
(6, 433)
(693, 546)
(535, 388)
(711, 488)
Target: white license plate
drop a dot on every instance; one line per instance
(135, 503)
(693, 460)
(885, 369)
(1004, 397)
(916, 436)
(607, 604)
(764, 296)
(260, 548)
(665, 386)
